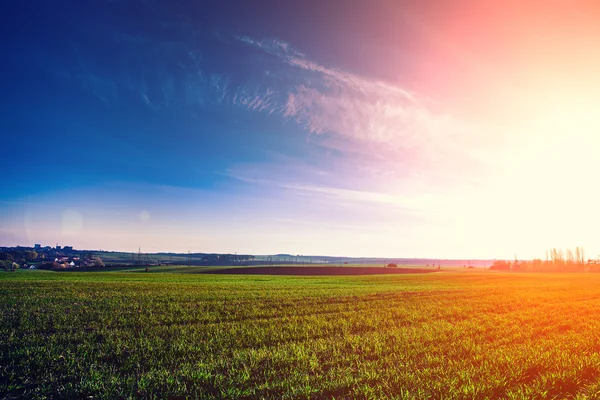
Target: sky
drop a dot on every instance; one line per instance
(404, 128)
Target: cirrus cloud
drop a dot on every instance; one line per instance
(370, 118)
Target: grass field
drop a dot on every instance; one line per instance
(462, 335)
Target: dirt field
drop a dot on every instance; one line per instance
(320, 271)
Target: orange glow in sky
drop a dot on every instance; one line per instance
(524, 77)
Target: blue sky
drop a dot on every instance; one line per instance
(309, 127)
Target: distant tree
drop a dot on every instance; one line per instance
(500, 265)
(392, 265)
(516, 265)
(49, 265)
(525, 265)
(98, 262)
(537, 265)
(569, 259)
(580, 255)
(557, 258)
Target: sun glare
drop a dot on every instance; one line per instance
(547, 184)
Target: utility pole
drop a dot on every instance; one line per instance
(188, 258)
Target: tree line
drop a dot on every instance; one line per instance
(557, 260)
(10, 259)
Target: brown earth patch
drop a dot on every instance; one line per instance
(320, 271)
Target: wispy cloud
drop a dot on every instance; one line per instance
(330, 194)
(257, 99)
(368, 115)
(385, 129)
(273, 46)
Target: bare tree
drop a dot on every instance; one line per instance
(569, 258)
(579, 255)
(558, 258)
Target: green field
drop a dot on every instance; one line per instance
(463, 335)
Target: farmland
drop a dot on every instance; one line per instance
(461, 334)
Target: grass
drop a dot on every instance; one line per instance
(461, 335)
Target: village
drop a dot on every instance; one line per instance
(47, 257)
